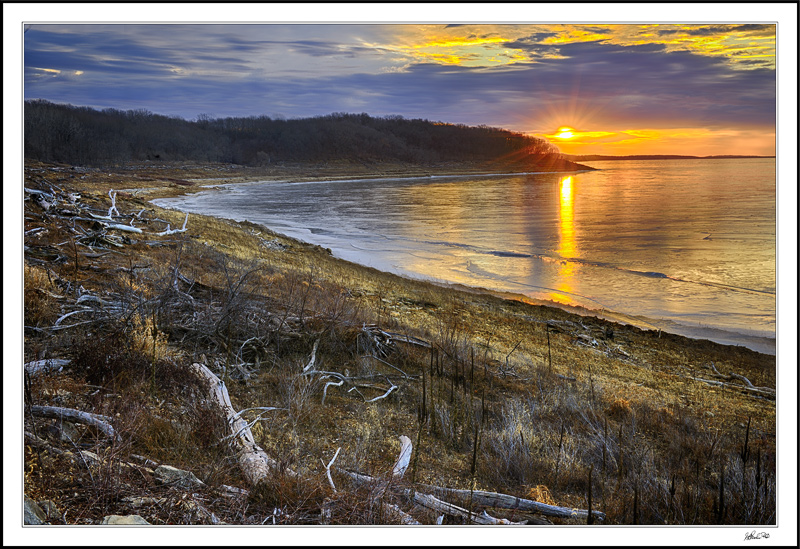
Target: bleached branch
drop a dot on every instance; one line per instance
(126, 228)
(76, 416)
(404, 458)
(440, 506)
(113, 207)
(328, 468)
(66, 316)
(384, 395)
(169, 231)
(313, 360)
(45, 365)
(505, 501)
(325, 390)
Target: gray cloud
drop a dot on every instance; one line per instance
(239, 71)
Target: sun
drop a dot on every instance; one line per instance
(565, 132)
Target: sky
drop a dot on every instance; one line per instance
(644, 88)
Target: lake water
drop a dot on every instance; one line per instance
(686, 246)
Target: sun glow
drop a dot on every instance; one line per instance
(565, 132)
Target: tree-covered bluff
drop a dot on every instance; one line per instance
(83, 135)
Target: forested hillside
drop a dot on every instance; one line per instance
(82, 135)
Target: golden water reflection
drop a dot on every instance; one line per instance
(566, 239)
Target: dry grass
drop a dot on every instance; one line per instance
(251, 304)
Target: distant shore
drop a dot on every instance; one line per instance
(598, 157)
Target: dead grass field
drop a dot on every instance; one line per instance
(508, 397)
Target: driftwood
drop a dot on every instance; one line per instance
(312, 361)
(434, 503)
(400, 466)
(350, 380)
(46, 365)
(478, 497)
(43, 194)
(505, 501)
(383, 339)
(328, 468)
(748, 385)
(126, 228)
(167, 231)
(101, 423)
(253, 461)
(756, 392)
(113, 198)
(406, 339)
(761, 392)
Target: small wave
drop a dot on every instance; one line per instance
(508, 254)
(479, 250)
(656, 274)
(727, 287)
(648, 274)
(730, 287)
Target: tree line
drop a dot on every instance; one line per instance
(87, 136)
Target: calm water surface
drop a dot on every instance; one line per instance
(685, 246)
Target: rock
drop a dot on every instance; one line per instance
(137, 502)
(64, 431)
(166, 474)
(50, 509)
(121, 520)
(33, 514)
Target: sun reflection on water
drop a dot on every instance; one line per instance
(566, 239)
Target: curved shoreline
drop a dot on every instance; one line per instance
(760, 344)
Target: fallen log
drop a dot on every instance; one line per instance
(768, 392)
(101, 423)
(46, 365)
(505, 501)
(748, 384)
(481, 498)
(393, 336)
(126, 228)
(434, 503)
(253, 460)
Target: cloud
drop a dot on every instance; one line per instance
(713, 30)
(307, 70)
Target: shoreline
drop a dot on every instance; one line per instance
(762, 344)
